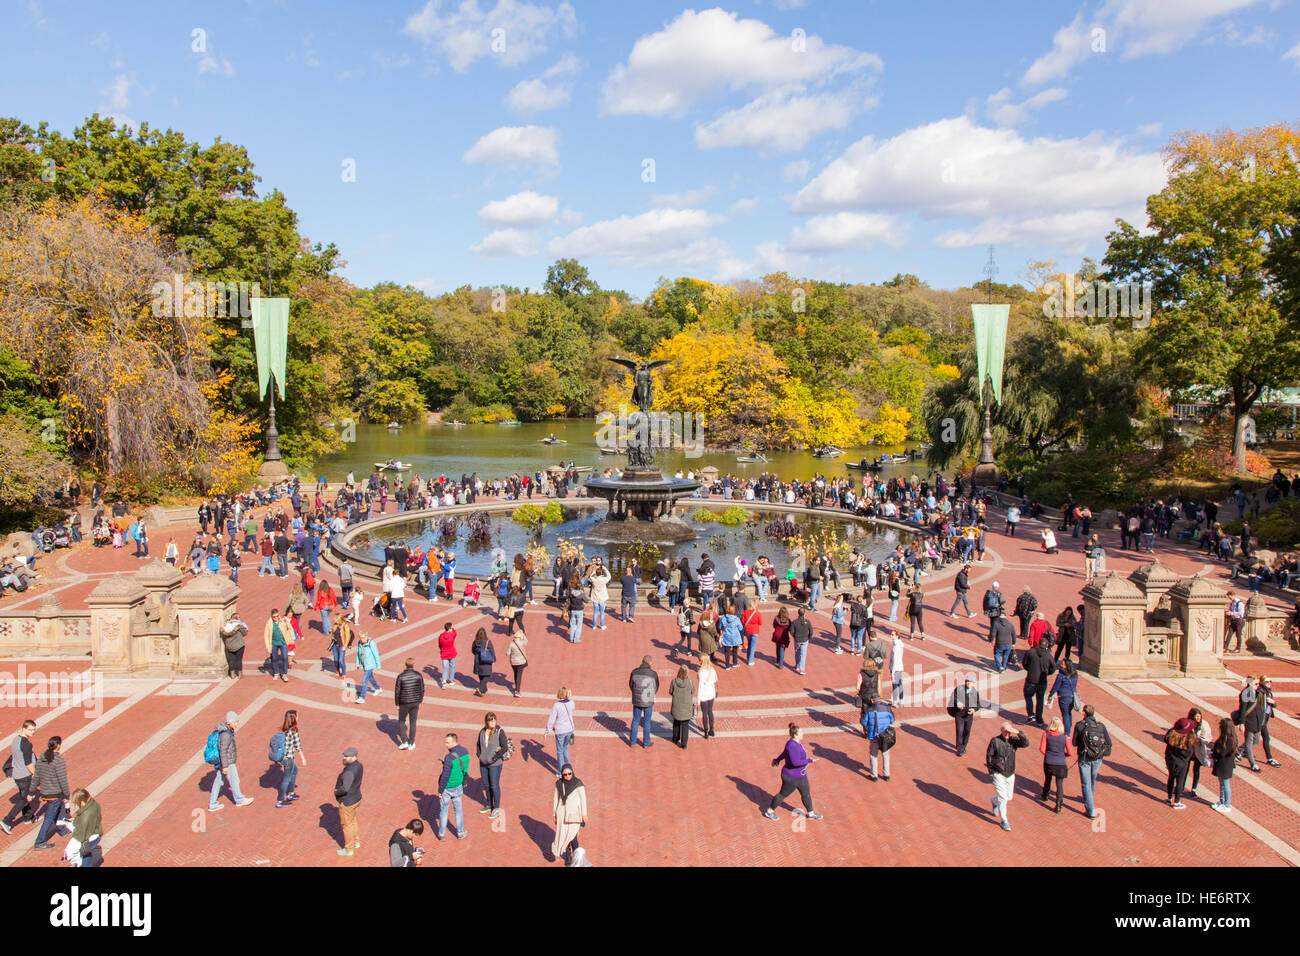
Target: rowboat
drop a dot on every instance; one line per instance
(827, 453)
(752, 458)
(454, 424)
(507, 423)
(394, 425)
(610, 451)
(391, 465)
(553, 441)
(862, 465)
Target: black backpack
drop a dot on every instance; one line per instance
(1094, 744)
(857, 614)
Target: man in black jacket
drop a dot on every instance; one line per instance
(347, 791)
(1026, 605)
(994, 602)
(962, 706)
(1000, 761)
(801, 632)
(1038, 666)
(408, 692)
(962, 586)
(644, 684)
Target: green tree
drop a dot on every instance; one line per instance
(568, 277)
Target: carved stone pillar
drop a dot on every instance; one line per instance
(114, 607)
(48, 613)
(1154, 580)
(1113, 628)
(1199, 605)
(202, 606)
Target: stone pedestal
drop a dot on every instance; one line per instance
(1199, 606)
(202, 606)
(1262, 636)
(115, 606)
(1113, 633)
(1155, 580)
(48, 613)
(273, 471)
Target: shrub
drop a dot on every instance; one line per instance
(734, 515)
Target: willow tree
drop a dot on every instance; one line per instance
(1218, 319)
(78, 302)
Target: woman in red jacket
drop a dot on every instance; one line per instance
(751, 621)
(781, 635)
(325, 603)
(447, 650)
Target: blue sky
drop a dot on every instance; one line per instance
(839, 140)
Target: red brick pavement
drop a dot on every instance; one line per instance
(662, 805)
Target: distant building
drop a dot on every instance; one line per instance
(1199, 400)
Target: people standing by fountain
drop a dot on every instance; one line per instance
(627, 603)
(643, 682)
(576, 602)
(447, 653)
(781, 635)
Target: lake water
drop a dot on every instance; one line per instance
(721, 542)
(495, 451)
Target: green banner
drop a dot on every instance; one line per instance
(271, 338)
(990, 343)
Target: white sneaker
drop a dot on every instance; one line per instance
(403, 746)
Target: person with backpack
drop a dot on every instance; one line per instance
(560, 723)
(285, 747)
(1180, 740)
(485, 656)
(1092, 743)
(451, 786)
(408, 693)
(1056, 750)
(347, 791)
(494, 749)
(1224, 757)
(794, 775)
(993, 605)
(401, 851)
(1065, 689)
(368, 661)
(961, 586)
(877, 720)
(570, 808)
(859, 618)
(962, 706)
(915, 609)
(222, 752)
(21, 768)
(1000, 761)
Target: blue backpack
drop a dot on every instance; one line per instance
(276, 752)
(212, 749)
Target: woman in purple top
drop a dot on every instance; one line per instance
(794, 775)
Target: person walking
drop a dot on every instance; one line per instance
(1092, 742)
(325, 602)
(401, 850)
(408, 694)
(1026, 605)
(838, 613)
(342, 639)
(801, 634)
(751, 621)
(707, 631)
(1066, 634)
(517, 654)
(794, 762)
(577, 603)
(21, 767)
(732, 630)
(1004, 635)
(708, 695)
(599, 595)
(781, 635)
(51, 784)
(1038, 666)
(1090, 550)
(447, 653)
(682, 691)
(1180, 740)
(485, 656)
(87, 827)
(225, 761)
(915, 609)
(451, 786)
(291, 754)
(1056, 750)
(961, 587)
(347, 791)
(644, 684)
(962, 706)
(878, 723)
(494, 749)
(1252, 706)
(1236, 623)
(1200, 751)
(570, 808)
(1065, 690)
(896, 671)
(1266, 691)
(1000, 761)
(1224, 757)
(369, 662)
(560, 723)
(234, 637)
(993, 605)
(276, 637)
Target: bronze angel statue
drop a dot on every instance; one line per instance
(643, 385)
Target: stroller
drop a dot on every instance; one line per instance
(381, 607)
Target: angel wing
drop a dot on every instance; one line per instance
(654, 365)
(626, 363)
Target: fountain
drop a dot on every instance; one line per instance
(641, 499)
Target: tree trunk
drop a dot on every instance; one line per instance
(1243, 400)
(114, 436)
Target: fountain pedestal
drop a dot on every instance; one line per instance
(640, 506)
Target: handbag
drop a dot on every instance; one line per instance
(886, 739)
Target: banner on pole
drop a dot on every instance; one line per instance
(991, 343)
(271, 340)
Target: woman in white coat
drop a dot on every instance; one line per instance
(570, 814)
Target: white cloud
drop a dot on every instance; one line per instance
(768, 257)
(684, 199)
(522, 209)
(1134, 27)
(1293, 54)
(101, 40)
(219, 66)
(701, 55)
(1005, 113)
(955, 168)
(519, 30)
(386, 61)
(537, 95)
(742, 207)
(506, 242)
(1150, 129)
(426, 285)
(570, 217)
(782, 121)
(118, 92)
(1078, 227)
(660, 236)
(793, 172)
(842, 230)
(34, 11)
(515, 146)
